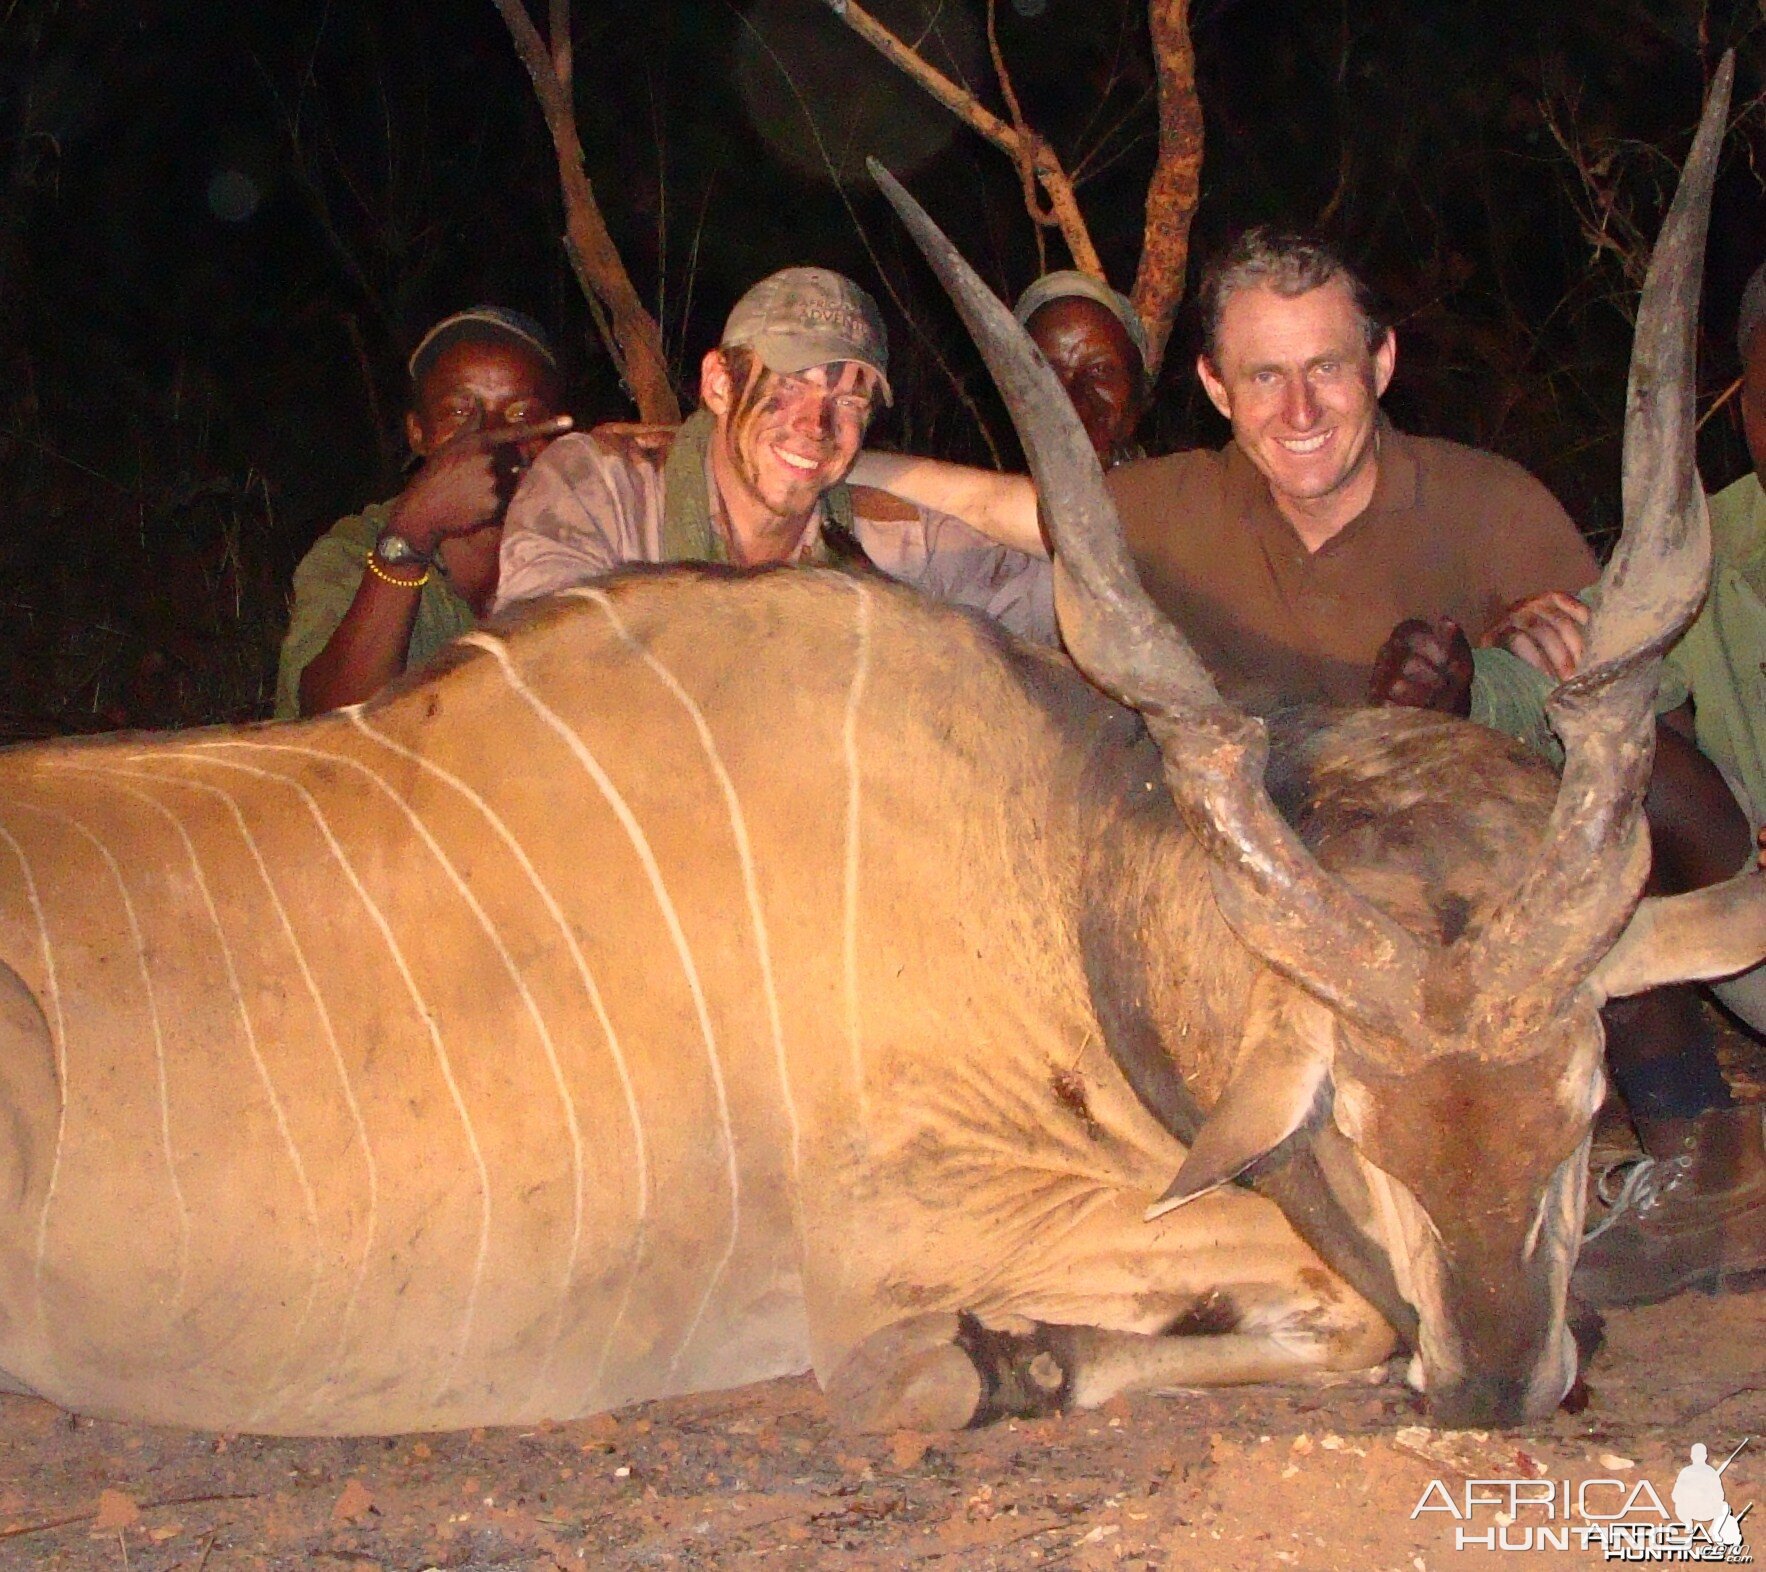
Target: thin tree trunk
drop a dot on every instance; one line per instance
(1177, 177)
(630, 332)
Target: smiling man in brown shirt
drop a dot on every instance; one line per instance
(1322, 529)
(1444, 531)
(1290, 556)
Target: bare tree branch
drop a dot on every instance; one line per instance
(630, 332)
(1041, 216)
(1177, 174)
(563, 50)
(1177, 177)
(1022, 147)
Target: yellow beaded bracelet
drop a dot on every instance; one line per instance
(387, 578)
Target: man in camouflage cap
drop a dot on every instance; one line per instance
(757, 476)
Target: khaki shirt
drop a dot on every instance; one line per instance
(593, 502)
(1450, 531)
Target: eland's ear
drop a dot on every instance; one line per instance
(1281, 1070)
(1714, 932)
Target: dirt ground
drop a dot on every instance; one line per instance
(1254, 1479)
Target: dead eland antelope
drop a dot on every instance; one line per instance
(713, 975)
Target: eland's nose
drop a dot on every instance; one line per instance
(1481, 1402)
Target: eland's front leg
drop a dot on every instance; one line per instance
(1220, 1293)
(949, 1371)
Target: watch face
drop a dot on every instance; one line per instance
(395, 548)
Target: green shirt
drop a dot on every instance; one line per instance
(1720, 661)
(325, 584)
(1722, 656)
(1508, 695)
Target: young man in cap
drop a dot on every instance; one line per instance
(383, 589)
(757, 475)
(1096, 343)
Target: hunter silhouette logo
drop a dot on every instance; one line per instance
(1700, 1502)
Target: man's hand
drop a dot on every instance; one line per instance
(1545, 630)
(635, 442)
(1424, 666)
(467, 482)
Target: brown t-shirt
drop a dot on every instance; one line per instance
(1450, 532)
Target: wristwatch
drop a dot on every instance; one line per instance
(396, 552)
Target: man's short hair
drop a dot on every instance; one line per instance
(1289, 263)
(1753, 309)
(482, 325)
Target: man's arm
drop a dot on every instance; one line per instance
(1001, 507)
(369, 645)
(1697, 830)
(1545, 630)
(463, 486)
(944, 558)
(1424, 666)
(1536, 561)
(325, 585)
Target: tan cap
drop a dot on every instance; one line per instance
(807, 316)
(1069, 284)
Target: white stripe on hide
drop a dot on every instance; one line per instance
(278, 1113)
(159, 1043)
(861, 669)
(423, 1013)
(326, 1026)
(744, 855)
(665, 904)
(58, 1027)
(593, 991)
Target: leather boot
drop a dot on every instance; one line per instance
(1689, 1214)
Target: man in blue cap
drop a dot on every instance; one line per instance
(384, 589)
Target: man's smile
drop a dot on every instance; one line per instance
(1301, 446)
(796, 461)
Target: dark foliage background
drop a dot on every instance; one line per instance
(223, 226)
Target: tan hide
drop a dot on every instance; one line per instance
(551, 1034)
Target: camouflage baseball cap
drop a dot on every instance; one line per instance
(807, 316)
